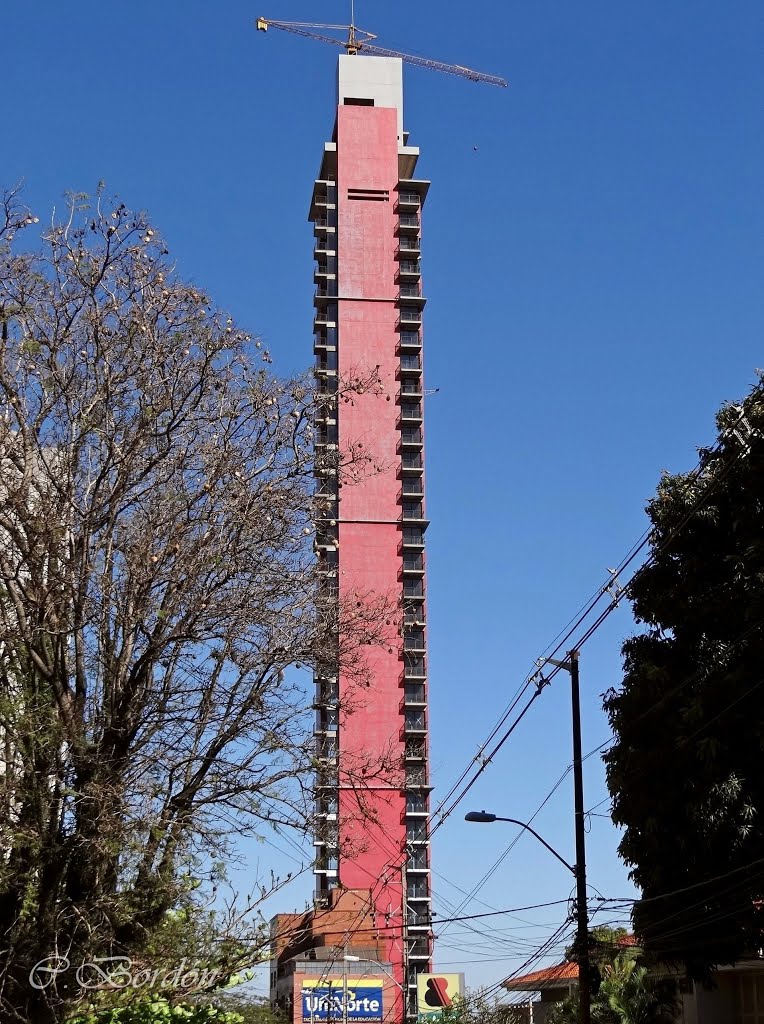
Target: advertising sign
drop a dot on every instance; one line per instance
(326, 1001)
(435, 992)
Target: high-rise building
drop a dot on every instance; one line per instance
(372, 786)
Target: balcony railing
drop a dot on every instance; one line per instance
(414, 641)
(413, 486)
(409, 199)
(410, 315)
(410, 339)
(413, 562)
(414, 666)
(415, 750)
(414, 693)
(415, 722)
(407, 245)
(412, 436)
(411, 460)
(412, 510)
(413, 537)
(408, 220)
(410, 362)
(417, 776)
(409, 268)
(413, 588)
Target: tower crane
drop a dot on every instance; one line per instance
(360, 41)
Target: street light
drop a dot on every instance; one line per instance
(569, 665)
(488, 818)
(349, 958)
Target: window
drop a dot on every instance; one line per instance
(416, 831)
(415, 721)
(414, 666)
(412, 510)
(416, 777)
(416, 803)
(413, 640)
(415, 693)
(417, 858)
(413, 535)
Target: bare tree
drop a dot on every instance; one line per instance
(157, 583)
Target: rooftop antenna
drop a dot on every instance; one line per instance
(358, 40)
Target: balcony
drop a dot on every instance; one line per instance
(412, 437)
(415, 750)
(411, 411)
(413, 561)
(414, 723)
(326, 291)
(325, 245)
(408, 246)
(409, 200)
(410, 363)
(413, 487)
(412, 510)
(409, 269)
(413, 589)
(325, 339)
(410, 339)
(416, 801)
(413, 537)
(413, 640)
(408, 223)
(414, 693)
(325, 317)
(413, 615)
(414, 666)
(412, 462)
(416, 778)
(409, 315)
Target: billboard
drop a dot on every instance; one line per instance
(326, 1001)
(435, 992)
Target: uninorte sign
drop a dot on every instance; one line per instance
(436, 992)
(326, 1001)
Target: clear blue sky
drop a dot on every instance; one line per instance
(594, 250)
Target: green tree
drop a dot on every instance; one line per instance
(685, 769)
(157, 587)
(626, 996)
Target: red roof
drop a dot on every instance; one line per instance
(556, 977)
(550, 977)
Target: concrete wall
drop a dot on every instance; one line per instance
(372, 816)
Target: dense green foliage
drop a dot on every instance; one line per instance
(626, 996)
(685, 769)
(158, 1011)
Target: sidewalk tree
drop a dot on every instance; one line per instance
(157, 589)
(685, 768)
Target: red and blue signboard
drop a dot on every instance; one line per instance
(328, 1001)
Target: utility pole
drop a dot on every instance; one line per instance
(345, 987)
(582, 911)
(570, 665)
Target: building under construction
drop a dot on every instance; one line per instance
(369, 930)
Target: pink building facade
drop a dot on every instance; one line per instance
(372, 795)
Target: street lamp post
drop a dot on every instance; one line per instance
(578, 870)
(367, 960)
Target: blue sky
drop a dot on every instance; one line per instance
(593, 252)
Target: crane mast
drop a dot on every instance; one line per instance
(360, 41)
